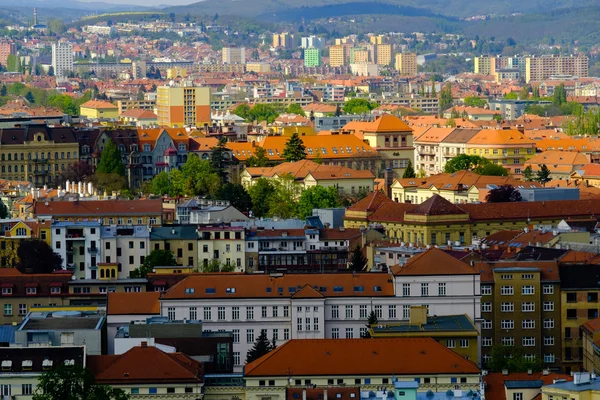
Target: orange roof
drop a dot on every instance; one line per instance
(209, 286)
(301, 169)
(558, 158)
(98, 104)
(360, 357)
(139, 114)
(433, 262)
(145, 364)
(509, 137)
(384, 123)
(584, 145)
(98, 208)
(131, 303)
(589, 170)
(433, 135)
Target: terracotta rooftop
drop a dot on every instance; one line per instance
(436, 205)
(433, 262)
(98, 208)
(132, 303)
(360, 357)
(98, 104)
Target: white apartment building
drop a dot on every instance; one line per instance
(428, 152)
(234, 55)
(454, 144)
(62, 59)
(224, 243)
(299, 306)
(78, 243)
(126, 245)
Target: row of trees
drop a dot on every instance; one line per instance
(46, 98)
(477, 164)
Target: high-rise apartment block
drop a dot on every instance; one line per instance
(6, 49)
(359, 56)
(62, 59)
(543, 67)
(285, 40)
(337, 56)
(383, 54)
(377, 39)
(312, 57)
(234, 55)
(484, 65)
(138, 69)
(406, 64)
(178, 106)
(312, 41)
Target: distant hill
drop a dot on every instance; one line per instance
(453, 8)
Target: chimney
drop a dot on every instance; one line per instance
(144, 344)
(418, 315)
(324, 394)
(303, 394)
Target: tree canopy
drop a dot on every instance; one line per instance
(477, 164)
(237, 196)
(317, 197)
(511, 358)
(195, 178)
(294, 149)
(258, 159)
(37, 257)
(359, 106)
(110, 160)
(261, 193)
(409, 172)
(156, 258)
(503, 194)
(358, 261)
(543, 175)
(474, 101)
(261, 347)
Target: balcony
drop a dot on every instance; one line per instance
(40, 160)
(92, 250)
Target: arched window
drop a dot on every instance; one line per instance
(56, 156)
(112, 273)
(101, 273)
(9, 157)
(9, 168)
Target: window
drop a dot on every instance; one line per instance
(406, 289)
(193, 313)
(548, 306)
(22, 309)
(152, 390)
(349, 333)
(507, 307)
(392, 312)
(207, 313)
(527, 290)
(506, 276)
(464, 343)
(424, 289)
(548, 289)
(549, 358)
(486, 307)
(250, 313)
(171, 313)
(571, 297)
(221, 313)
(549, 341)
(263, 311)
(250, 336)
(286, 311)
(507, 291)
(8, 309)
(31, 290)
(486, 324)
(26, 389)
(592, 297)
(363, 311)
(235, 313)
(236, 335)
(528, 306)
(349, 309)
(335, 312)
(442, 289)
(286, 334)
(528, 341)
(507, 324)
(528, 324)
(405, 311)
(378, 311)
(548, 323)
(450, 343)
(508, 341)
(316, 324)
(486, 342)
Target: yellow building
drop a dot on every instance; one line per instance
(222, 243)
(37, 153)
(182, 241)
(337, 56)
(457, 332)
(258, 67)
(179, 106)
(591, 345)
(14, 232)
(406, 64)
(97, 109)
(360, 56)
(169, 270)
(175, 72)
(384, 54)
(484, 65)
(583, 387)
(377, 39)
(507, 147)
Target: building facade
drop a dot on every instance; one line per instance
(62, 59)
(183, 106)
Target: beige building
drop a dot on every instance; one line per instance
(126, 245)
(484, 65)
(179, 106)
(543, 67)
(234, 55)
(384, 54)
(337, 56)
(258, 67)
(406, 64)
(181, 240)
(223, 243)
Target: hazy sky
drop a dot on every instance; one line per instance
(144, 2)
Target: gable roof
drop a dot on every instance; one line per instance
(501, 137)
(436, 205)
(434, 262)
(145, 364)
(98, 104)
(338, 357)
(384, 123)
(132, 303)
(98, 207)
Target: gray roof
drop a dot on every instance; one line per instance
(524, 384)
(7, 334)
(572, 387)
(174, 232)
(135, 231)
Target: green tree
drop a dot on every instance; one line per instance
(503, 194)
(258, 159)
(13, 63)
(37, 257)
(29, 97)
(359, 106)
(317, 197)
(55, 26)
(446, 99)
(490, 169)
(528, 174)
(511, 358)
(372, 320)
(463, 162)
(543, 175)
(73, 382)
(560, 95)
(296, 109)
(200, 178)
(3, 91)
(156, 258)
(261, 347)
(358, 261)
(409, 172)
(511, 96)
(524, 93)
(294, 149)
(243, 111)
(283, 203)
(474, 101)
(161, 184)
(261, 193)
(215, 265)
(433, 92)
(237, 195)
(220, 159)
(110, 160)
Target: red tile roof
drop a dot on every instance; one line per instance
(434, 262)
(436, 205)
(360, 357)
(145, 365)
(131, 303)
(98, 207)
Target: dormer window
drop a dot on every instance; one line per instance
(26, 365)
(47, 364)
(6, 365)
